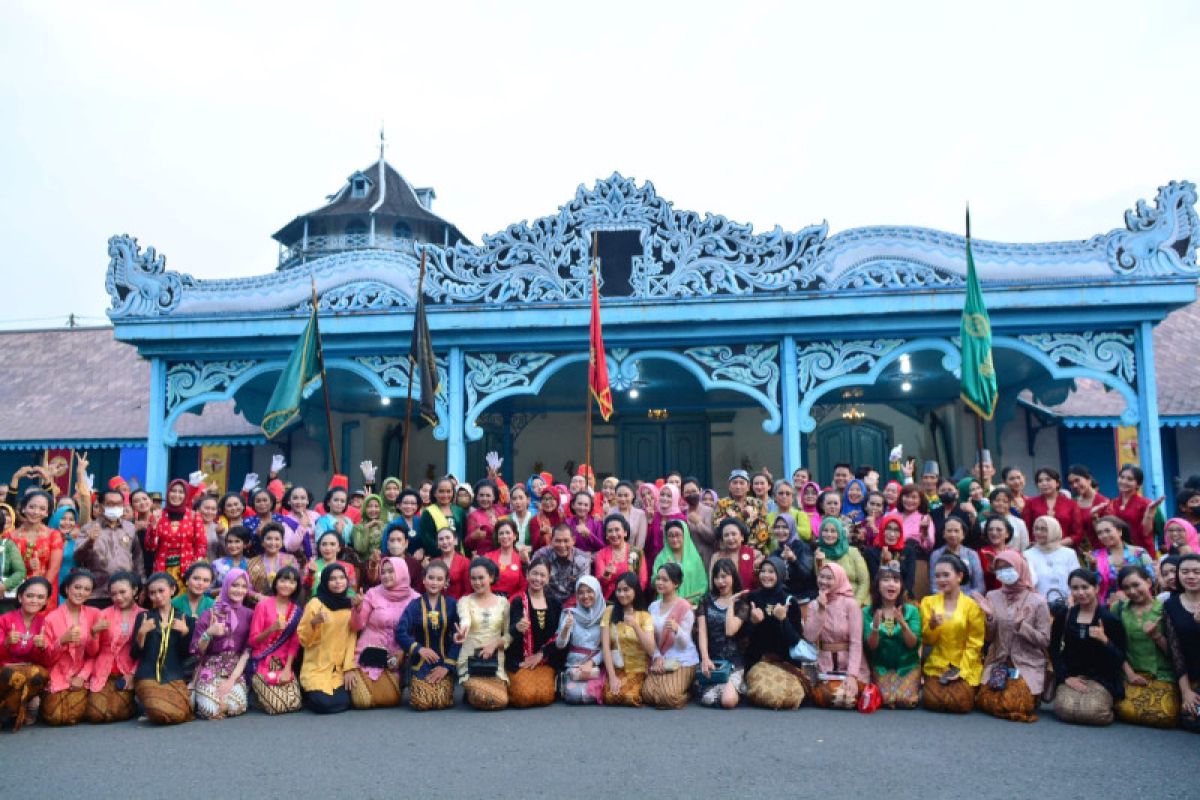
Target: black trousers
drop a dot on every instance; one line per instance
(321, 703)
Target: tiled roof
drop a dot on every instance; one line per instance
(1177, 369)
(82, 384)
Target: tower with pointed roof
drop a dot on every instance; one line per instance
(376, 209)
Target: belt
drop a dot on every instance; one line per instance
(835, 647)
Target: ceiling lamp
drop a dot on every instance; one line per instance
(854, 415)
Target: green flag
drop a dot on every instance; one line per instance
(300, 378)
(979, 390)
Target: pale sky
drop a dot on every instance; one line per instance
(201, 128)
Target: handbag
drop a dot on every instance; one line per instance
(869, 699)
(719, 674)
(1057, 606)
(803, 651)
(373, 657)
(482, 667)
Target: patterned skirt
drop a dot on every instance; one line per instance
(668, 690)
(581, 693)
(1091, 707)
(383, 692)
(955, 697)
(1014, 702)
(775, 685)
(110, 704)
(1156, 705)
(64, 708)
(486, 694)
(426, 696)
(900, 691)
(211, 675)
(528, 688)
(277, 698)
(832, 694)
(164, 703)
(20, 685)
(630, 693)
(711, 695)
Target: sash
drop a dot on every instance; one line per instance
(283, 636)
(677, 613)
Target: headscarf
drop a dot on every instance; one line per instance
(585, 617)
(226, 607)
(10, 517)
(793, 536)
(648, 488)
(56, 519)
(332, 601)
(881, 540)
(833, 551)
(762, 596)
(814, 515)
(383, 512)
(964, 489)
(841, 583)
(1053, 534)
(1024, 582)
(710, 494)
(899, 488)
(854, 510)
(175, 512)
(670, 490)
(695, 577)
(389, 509)
(1193, 541)
(401, 594)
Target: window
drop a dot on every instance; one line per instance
(616, 251)
(356, 227)
(402, 230)
(358, 186)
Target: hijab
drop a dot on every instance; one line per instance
(588, 617)
(674, 510)
(793, 536)
(964, 490)
(56, 518)
(1192, 540)
(762, 596)
(899, 486)
(695, 578)
(854, 510)
(377, 524)
(175, 512)
(841, 583)
(1053, 534)
(226, 607)
(333, 601)
(389, 509)
(1024, 582)
(835, 551)
(881, 541)
(401, 593)
(814, 516)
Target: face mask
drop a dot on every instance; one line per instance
(692, 500)
(948, 497)
(1008, 576)
(113, 512)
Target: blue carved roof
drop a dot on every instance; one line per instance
(684, 257)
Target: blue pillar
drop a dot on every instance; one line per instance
(456, 444)
(1149, 437)
(156, 448)
(790, 406)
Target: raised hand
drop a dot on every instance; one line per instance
(148, 625)
(756, 614)
(368, 471)
(278, 463)
(250, 483)
(196, 478)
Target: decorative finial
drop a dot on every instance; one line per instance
(382, 141)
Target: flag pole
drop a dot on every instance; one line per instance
(408, 402)
(324, 379)
(979, 443)
(587, 449)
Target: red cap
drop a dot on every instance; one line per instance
(340, 482)
(116, 482)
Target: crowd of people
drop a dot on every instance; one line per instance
(947, 593)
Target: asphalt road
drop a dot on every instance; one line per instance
(592, 752)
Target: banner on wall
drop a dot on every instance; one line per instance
(132, 466)
(1127, 446)
(59, 460)
(214, 461)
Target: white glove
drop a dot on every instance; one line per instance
(897, 454)
(368, 471)
(91, 481)
(278, 462)
(251, 482)
(494, 461)
(197, 478)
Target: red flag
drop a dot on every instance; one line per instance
(597, 367)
